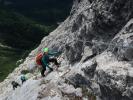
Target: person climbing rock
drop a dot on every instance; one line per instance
(15, 85)
(46, 59)
(23, 78)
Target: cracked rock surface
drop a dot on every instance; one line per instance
(96, 41)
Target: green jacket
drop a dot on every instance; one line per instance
(23, 77)
(45, 58)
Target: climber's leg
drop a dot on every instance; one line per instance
(43, 70)
(54, 60)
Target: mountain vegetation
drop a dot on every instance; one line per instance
(22, 26)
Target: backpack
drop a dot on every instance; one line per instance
(23, 78)
(39, 58)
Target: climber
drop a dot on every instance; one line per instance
(23, 78)
(46, 60)
(15, 84)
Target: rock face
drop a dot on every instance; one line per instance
(96, 61)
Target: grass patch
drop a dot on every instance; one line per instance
(8, 60)
(24, 72)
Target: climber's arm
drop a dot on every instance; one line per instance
(54, 53)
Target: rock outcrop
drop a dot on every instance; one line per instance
(96, 61)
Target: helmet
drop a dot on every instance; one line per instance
(45, 50)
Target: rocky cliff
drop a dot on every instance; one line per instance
(96, 60)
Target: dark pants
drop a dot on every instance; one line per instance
(54, 60)
(15, 85)
(23, 81)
